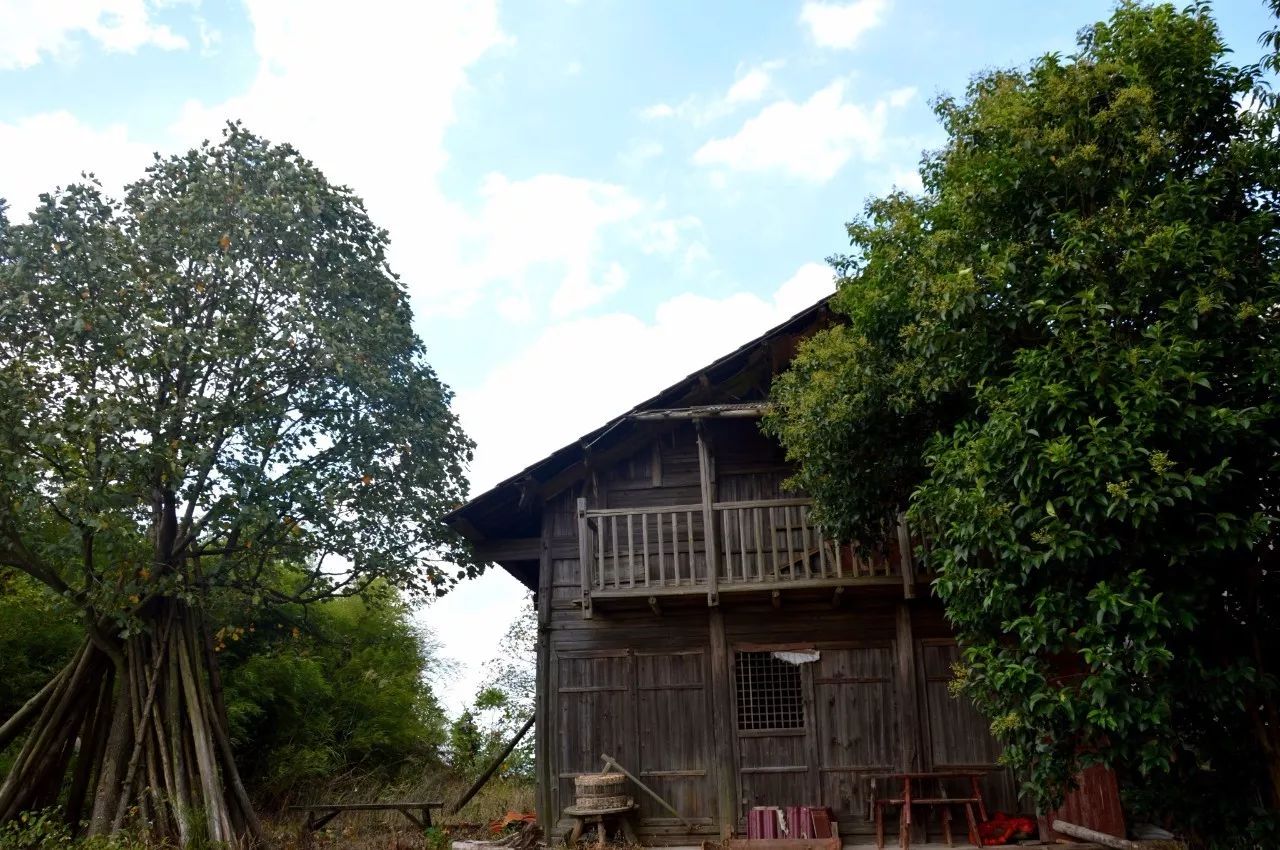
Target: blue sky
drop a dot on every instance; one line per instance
(595, 194)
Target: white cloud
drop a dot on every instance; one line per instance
(52, 149)
(470, 622)
(367, 91)
(640, 152)
(632, 359)
(546, 235)
(752, 85)
(841, 25)
(210, 38)
(803, 289)
(749, 86)
(658, 110)
(908, 180)
(33, 30)
(376, 121)
(810, 140)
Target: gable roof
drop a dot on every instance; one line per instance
(506, 509)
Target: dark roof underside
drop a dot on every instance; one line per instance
(510, 508)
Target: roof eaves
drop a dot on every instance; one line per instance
(584, 444)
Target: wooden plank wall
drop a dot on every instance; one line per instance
(657, 691)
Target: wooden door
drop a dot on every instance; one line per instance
(674, 737)
(957, 735)
(774, 713)
(858, 732)
(595, 715)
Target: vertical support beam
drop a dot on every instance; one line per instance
(908, 563)
(584, 557)
(724, 727)
(809, 696)
(908, 687)
(542, 689)
(908, 691)
(707, 480)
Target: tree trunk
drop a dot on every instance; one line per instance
(138, 738)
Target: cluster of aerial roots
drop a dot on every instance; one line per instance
(132, 734)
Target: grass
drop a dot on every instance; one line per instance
(392, 830)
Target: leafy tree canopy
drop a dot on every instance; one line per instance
(212, 376)
(219, 369)
(342, 688)
(1062, 358)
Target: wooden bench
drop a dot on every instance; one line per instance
(943, 802)
(319, 814)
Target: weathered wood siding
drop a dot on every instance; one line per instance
(958, 736)
(858, 724)
(656, 689)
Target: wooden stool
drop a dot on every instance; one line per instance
(582, 818)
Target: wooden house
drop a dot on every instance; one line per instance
(697, 626)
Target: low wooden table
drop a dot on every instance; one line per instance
(320, 814)
(943, 801)
(582, 818)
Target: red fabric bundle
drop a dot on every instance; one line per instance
(1002, 828)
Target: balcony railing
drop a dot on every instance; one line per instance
(760, 544)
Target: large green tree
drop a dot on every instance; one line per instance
(1062, 358)
(212, 375)
(332, 692)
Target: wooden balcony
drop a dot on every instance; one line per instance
(766, 545)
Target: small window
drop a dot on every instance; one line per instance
(769, 692)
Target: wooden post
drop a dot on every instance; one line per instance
(808, 698)
(707, 481)
(908, 564)
(542, 690)
(584, 557)
(908, 691)
(724, 728)
(908, 694)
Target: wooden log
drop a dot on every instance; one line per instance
(15, 724)
(609, 763)
(493, 766)
(1086, 834)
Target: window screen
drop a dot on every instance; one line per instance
(769, 692)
